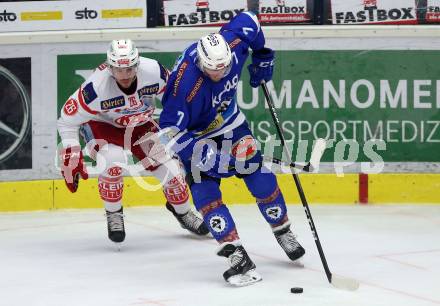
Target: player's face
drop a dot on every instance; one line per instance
(217, 75)
(124, 76)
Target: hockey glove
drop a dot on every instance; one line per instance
(155, 152)
(72, 167)
(158, 155)
(261, 67)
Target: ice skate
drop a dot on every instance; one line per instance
(242, 271)
(287, 240)
(115, 226)
(190, 221)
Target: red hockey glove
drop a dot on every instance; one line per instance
(72, 166)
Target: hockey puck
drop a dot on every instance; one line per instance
(296, 290)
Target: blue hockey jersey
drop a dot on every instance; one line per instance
(196, 107)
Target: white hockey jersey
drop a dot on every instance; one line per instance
(100, 99)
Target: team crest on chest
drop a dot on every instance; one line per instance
(134, 102)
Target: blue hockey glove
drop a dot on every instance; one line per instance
(261, 67)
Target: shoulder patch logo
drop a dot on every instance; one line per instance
(89, 93)
(70, 107)
(113, 103)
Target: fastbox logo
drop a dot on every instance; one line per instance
(373, 14)
(204, 14)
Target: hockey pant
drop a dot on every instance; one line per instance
(106, 145)
(261, 183)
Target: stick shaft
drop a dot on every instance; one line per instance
(297, 182)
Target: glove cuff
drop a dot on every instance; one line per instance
(263, 53)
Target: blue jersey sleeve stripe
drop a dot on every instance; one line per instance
(254, 19)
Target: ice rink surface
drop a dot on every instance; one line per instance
(64, 258)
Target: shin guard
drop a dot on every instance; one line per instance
(110, 188)
(207, 199)
(219, 221)
(270, 200)
(176, 191)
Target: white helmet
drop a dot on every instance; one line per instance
(213, 52)
(122, 53)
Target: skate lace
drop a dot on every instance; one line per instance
(288, 241)
(236, 258)
(191, 221)
(115, 221)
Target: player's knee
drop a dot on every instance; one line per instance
(110, 156)
(261, 184)
(207, 191)
(248, 159)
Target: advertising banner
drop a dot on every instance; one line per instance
(283, 11)
(201, 12)
(72, 15)
(15, 114)
(433, 11)
(372, 105)
(374, 11)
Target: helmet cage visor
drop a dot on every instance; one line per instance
(219, 73)
(124, 72)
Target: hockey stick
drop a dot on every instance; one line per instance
(293, 166)
(336, 281)
(313, 164)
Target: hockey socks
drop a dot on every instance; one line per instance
(207, 199)
(110, 185)
(272, 206)
(219, 221)
(270, 200)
